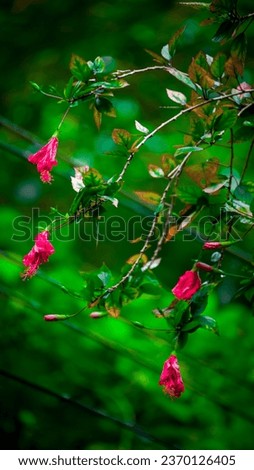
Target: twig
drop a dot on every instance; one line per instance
(126, 73)
(172, 119)
(162, 237)
(231, 162)
(111, 289)
(246, 17)
(247, 161)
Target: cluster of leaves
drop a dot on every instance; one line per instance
(185, 317)
(89, 81)
(95, 191)
(98, 285)
(219, 104)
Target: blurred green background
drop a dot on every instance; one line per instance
(91, 384)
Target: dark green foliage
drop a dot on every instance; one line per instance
(92, 383)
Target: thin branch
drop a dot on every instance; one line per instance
(111, 289)
(245, 108)
(126, 73)
(162, 237)
(172, 119)
(246, 17)
(50, 95)
(231, 162)
(127, 163)
(63, 118)
(247, 161)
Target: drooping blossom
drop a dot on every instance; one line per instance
(45, 159)
(188, 284)
(38, 255)
(204, 266)
(171, 378)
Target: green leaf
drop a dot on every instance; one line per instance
(199, 300)
(201, 75)
(92, 178)
(176, 96)
(68, 91)
(103, 105)
(225, 31)
(79, 68)
(150, 284)
(239, 47)
(244, 193)
(128, 294)
(182, 340)
(180, 312)
(191, 326)
(113, 84)
(35, 86)
(138, 324)
(218, 65)
(104, 274)
(173, 42)
(203, 60)
(226, 120)
(209, 323)
(248, 123)
(151, 289)
(243, 134)
(189, 193)
(98, 65)
(183, 150)
(182, 77)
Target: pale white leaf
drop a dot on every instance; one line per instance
(215, 187)
(156, 171)
(77, 183)
(141, 128)
(176, 96)
(151, 265)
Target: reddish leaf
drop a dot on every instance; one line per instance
(121, 137)
(134, 258)
(149, 197)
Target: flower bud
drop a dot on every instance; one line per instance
(204, 266)
(54, 317)
(216, 245)
(96, 315)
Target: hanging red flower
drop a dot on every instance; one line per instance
(38, 255)
(171, 378)
(188, 284)
(45, 159)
